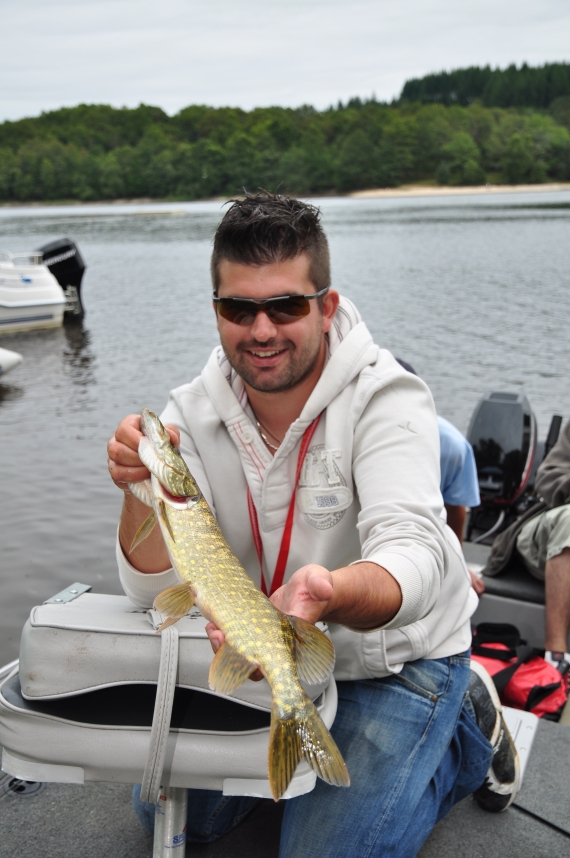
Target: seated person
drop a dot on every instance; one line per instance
(542, 539)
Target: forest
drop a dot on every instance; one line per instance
(465, 127)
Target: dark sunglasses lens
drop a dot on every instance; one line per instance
(281, 312)
(238, 312)
(287, 310)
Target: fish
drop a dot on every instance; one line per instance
(287, 649)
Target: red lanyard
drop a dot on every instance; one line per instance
(286, 538)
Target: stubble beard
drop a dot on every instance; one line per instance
(301, 363)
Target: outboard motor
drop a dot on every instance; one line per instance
(503, 434)
(65, 262)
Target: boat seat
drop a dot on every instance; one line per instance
(515, 582)
(124, 705)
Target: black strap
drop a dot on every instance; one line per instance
(538, 693)
(490, 652)
(503, 677)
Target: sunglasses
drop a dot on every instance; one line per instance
(281, 311)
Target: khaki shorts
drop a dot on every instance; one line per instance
(543, 537)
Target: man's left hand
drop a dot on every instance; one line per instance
(306, 595)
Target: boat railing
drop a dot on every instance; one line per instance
(30, 257)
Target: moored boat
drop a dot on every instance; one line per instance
(38, 287)
(9, 360)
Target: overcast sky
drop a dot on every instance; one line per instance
(251, 53)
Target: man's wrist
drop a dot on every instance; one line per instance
(365, 597)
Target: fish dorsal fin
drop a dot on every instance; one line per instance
(143, 531)
(314, 652)
(229, 669)
(175, 602)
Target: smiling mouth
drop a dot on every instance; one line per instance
(264, 353)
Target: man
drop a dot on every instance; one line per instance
(542, 539)
(369, 552)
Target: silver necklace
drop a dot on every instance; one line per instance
(260, 426)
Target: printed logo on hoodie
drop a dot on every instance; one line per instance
(323, 495)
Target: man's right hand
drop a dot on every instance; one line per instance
(123, 460)
(126, 467)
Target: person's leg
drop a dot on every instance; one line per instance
(557, 599)
(544, 545)
(395, 734)
(210, 814)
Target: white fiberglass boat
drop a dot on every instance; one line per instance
(38, 287)
(30, 296)
(8, 360)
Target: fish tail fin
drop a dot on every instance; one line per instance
(175, 602)
(304, 735)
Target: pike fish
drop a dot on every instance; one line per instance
(285, 648)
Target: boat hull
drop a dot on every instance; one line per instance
(30, 297)
(30, 318)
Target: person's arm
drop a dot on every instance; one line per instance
(553, 476)
(361, 596)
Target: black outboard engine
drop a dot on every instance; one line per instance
(502, 433)
(65, 262)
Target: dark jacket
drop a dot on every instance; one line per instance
(552, 486)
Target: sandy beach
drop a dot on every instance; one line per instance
(446, 190)
(371, 193)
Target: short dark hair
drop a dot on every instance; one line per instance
(263, 228)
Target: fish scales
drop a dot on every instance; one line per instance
(256, 633)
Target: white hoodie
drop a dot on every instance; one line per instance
(372, 466)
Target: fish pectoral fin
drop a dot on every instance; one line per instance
(164, 516)
(229, 669)
(175, 602)
(143, 531)
(313, 651)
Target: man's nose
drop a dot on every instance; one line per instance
(263, 328)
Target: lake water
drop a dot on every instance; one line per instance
(473, 291)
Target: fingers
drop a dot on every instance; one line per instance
(124, 463)
(215, 635)
(174, 433)
(217, 638)
(123, 460)
(477, 582)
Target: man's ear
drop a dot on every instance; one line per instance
(330, 306)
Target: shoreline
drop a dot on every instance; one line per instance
(368, 194)
(459, 190)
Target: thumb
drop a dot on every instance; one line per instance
(320, 586)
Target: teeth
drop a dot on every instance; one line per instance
(266, 354)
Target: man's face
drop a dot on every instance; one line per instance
(271, 357)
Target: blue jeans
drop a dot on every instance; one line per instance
(413, 749)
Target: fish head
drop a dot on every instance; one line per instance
(163, 459)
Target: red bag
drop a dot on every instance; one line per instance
(523, 678)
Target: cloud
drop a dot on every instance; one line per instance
(256, 52)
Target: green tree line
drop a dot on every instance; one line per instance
(95, 152)
(526, 86)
